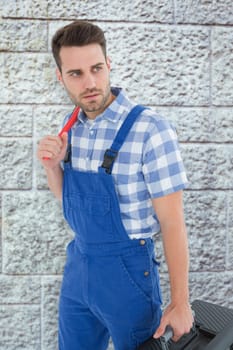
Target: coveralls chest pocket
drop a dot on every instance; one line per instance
(97, 218)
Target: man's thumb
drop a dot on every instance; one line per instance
(64, 138)
(160, 330)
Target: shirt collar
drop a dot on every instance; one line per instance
(121, 105)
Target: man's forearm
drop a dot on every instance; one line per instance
(55, 180)
(169, 210)
(177, 258)
(178, 314)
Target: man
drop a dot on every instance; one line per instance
(114, 201)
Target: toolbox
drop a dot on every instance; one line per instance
(212, 330)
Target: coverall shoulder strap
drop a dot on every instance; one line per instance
(111, 153)
(67, 158)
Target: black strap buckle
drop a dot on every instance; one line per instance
(109, 158)
(67, 158)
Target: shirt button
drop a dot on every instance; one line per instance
(142, 242)
(146, 273)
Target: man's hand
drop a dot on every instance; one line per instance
(51, 150)
(179, 318)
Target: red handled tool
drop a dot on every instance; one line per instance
(69, 123)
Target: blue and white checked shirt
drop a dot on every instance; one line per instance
(148, 165)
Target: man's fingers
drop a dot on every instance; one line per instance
(50, 146)
(160, 330)
(53, 149)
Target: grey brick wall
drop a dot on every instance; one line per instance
(174, 55)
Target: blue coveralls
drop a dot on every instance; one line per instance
(111, 284)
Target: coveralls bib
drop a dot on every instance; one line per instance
(110, 286)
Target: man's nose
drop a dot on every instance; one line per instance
(89, 82)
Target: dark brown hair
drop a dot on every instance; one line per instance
(77, 33)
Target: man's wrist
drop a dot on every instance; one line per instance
(180, 299)
(56, 168)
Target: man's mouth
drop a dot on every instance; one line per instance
(91, 96)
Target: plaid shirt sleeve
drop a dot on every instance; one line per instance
(163, 167)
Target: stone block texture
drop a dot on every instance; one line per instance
(222, 65)
(174, 56)
(204, 12)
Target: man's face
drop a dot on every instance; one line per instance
(85, 74)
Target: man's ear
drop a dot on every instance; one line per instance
(59, 75)
(108, 61)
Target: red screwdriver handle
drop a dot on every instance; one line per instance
(71, 121)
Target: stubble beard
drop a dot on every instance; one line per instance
(93, 106)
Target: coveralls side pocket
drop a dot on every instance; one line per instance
(139, 335)
(137, 270)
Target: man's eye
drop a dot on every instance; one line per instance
(75, 74)
(97, 69)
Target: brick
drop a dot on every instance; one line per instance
(200, 124)
(49, 119)
(35, 234)
(172, 63)
(192, 125)
(30, 78)
(23, 36)
(145, 10)
(207, 234)
(214, 287)
(19, 290)
(208, 166)
(169, 61)
(20, 327)
(50, 296)
(222, 66)
(204, 12)
(22, 116)
(16, 163)
(24, 8)
(206, 218)
(221, 122)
